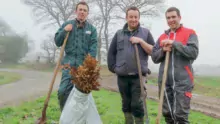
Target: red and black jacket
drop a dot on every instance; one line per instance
(184, 51)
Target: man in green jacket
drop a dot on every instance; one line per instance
(82, 41)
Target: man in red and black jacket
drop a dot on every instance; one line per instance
(183, 46)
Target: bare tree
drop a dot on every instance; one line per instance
(98, 22)
(52, 12)
(150, 8)
(100, 17)
(50, 49)
(55, 12)
(5, 29)
(106, 8)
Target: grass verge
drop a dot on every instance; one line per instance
(108, 104)
(9, 77)
(208, 86)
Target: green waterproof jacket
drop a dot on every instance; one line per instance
(82, 41)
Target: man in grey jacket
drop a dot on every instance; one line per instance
(121, 60)
(183, 46)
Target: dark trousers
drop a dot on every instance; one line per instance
(176, 105)
(130, 90)
(65, 88)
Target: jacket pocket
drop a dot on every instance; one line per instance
(120, 56)
(121, 69)
(184, 99)
(180, 74)
(120, 45)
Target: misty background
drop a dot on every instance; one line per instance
(196, 14)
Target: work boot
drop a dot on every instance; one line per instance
(139, 120)
(128, 118)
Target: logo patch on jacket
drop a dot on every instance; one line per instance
(88, 32)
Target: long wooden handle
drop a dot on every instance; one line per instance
(139, 69)
(54, 77)
(163, 87)
(143, 95)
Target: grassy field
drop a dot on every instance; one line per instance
(108, 104)
(209, 86)
(14, 66)
(30, 66)
(8, 77)
(46, 68)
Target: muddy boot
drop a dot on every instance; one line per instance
(139, 120)
(128, 118)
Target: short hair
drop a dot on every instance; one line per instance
(132, 8)
(82, 3)
(171, 9)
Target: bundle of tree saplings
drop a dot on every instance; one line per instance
(86, 76)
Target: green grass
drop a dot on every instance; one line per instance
(9, 77)
(30, 66)
(14, 66)
(47, 68)
(208, 81)
(108, 104)
(209, 86)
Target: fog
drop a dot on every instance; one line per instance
(196, 14)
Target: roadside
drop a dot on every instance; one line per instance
(35, 84)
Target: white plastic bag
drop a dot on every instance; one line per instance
(80, 108)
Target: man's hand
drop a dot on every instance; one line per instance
(135, 40)
(147, 47)
(167, 48)
(167, 42)
(167, 45)
(68, 27)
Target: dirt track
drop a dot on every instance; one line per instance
(204, 104)
(35, 84)
(32, 85)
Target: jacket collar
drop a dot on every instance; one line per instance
(80, 25)
(125, 28)
(169, 30)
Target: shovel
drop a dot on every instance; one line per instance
(163, 87)
(42, 119)
(143, 87)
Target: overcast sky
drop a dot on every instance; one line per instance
(200, 15)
